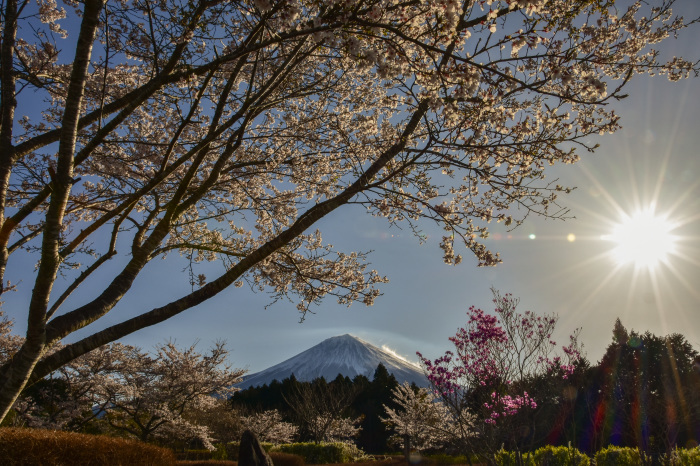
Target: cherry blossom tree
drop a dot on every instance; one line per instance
(341, 429)
(148, 397)
(268, 426)
(223, 423)
(484, 381)
(69, 398)
(226, 130)
(421, 420)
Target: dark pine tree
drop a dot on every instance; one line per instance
(648, 393)
(374, 435)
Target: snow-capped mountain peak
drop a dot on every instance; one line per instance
(343, 354)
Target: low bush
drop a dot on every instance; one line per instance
(568, 456)
(560, 456)
(220, 453)
(50, 447)
(286, 459)
(193, 455)
(690, 456)
(682, 457)
(323, 453)
(513, 458)
(618, 456)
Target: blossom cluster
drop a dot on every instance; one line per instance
(506, 405)
(496, 353)
(421, 417)
(268, 426)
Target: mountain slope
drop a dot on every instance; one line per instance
(344, 354)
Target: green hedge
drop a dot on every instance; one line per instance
(608, 456)
(323, 453)
(312, 453)
(564, 456)
(618, 456)
(682, 457)
(510, 458)
(220, 453)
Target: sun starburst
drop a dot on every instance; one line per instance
(643, 238)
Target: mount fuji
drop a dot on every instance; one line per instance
(346, 355)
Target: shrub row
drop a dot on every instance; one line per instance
(286, 459)
(47, 447)
(545, 456)
(323, 453)
(220, 453)
(310, 453)
(50, 447)
(613, 456)
(630, 457)
(609, 456)
(443, 459)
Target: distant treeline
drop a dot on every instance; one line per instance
(644, 393)
(359, 397)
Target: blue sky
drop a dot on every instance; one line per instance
(653, 159)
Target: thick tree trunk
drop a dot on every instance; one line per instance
(22, 364)
(7, 116)
(20, 369)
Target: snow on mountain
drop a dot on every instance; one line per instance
(344, 354)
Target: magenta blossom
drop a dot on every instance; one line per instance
(496, 352)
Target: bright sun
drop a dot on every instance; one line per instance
(643, 238)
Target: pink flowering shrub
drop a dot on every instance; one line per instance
(496, 356)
